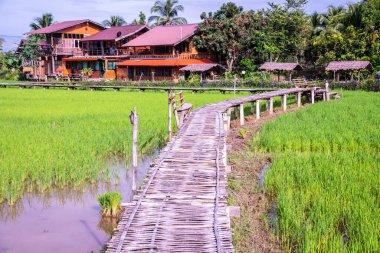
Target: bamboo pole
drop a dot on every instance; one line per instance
(242, 114)
(257, 109)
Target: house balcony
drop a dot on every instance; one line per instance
(106, 52)
(170, 56)
(68, 51)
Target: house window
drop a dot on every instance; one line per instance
(97, 66)
(111, 65)
(76, 43)
(162, 71)
(144, 71)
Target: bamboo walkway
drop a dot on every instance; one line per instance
(181, 206)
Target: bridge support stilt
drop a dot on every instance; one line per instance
(299, 103)
(284, 97)
(271, 105)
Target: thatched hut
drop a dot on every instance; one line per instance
(337, 66)
(281, 66)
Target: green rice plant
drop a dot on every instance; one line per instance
(325, 175)
(62, 139)
(243, 132)
(110, 204)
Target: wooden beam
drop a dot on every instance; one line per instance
(242, 114)
(258, 109)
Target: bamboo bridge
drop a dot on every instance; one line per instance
(181, 206)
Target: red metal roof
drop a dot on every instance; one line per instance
(271, 66)
(164, 62)
(62, 25)
(113, 32)
(347, 65)
(164, 36)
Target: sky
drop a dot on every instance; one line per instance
(16, 15)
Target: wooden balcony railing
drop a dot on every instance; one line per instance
(74, 51)
(171, 56)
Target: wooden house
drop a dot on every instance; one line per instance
(64, 41)
(158, 54)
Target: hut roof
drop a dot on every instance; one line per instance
(287, 66)
(200, 67)
(347, 65)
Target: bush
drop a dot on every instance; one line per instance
(110, 204)
(367, 85)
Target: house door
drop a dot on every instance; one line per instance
(131, 75)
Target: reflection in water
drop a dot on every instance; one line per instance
(65, 220)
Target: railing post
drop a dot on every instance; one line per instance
(134, 121)
(284, 101)
(257, 109)
(271, 106)
(229, 118)
(299, 99)
(169, 117)
(242, 114)
(225, 121)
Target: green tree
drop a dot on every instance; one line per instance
(45, 20)
(1, 44)
(167, 13)
(141, 20)
(114, 21)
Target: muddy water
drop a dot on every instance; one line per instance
(63, 222)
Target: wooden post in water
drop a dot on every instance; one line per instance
(134, 121)
(169, 117)
(257, 109)
(242, 114)
(299, 99)
(271, 106)
(284, 102)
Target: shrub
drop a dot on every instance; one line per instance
(110, 204)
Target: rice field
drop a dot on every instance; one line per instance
(325, 176)
(59, 138)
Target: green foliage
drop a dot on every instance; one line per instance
(60, 138)
(45, 20)
(110, 204)
(114, 21)
(141, 20)
(167, 13)
(243, 132)
(325, 175)
(87, 72)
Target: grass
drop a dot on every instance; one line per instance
(59, 138)
(325, 176)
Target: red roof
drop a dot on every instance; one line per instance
(115, 33)
(163, 62)
(271, 66)
(347, 65)
(62, 25)
(164, 36)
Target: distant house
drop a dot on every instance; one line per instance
(64, 41)
(102, 50)
(278, 67)
(158, 54)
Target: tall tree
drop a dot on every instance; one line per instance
(114, 21)
(167, 13)
(1, 44)
(45, 20)
(141, 20)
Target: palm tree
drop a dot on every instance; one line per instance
(114, 21)
(317, 22)
(141, 20)
(45, 20)
(167, 13)
(334, 18)
(355, 15)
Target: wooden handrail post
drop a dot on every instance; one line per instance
(258, 109)
(284, 101)
(169, 117)
(242, 114)
(299, 102)
(271, 106)
(134, 121)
